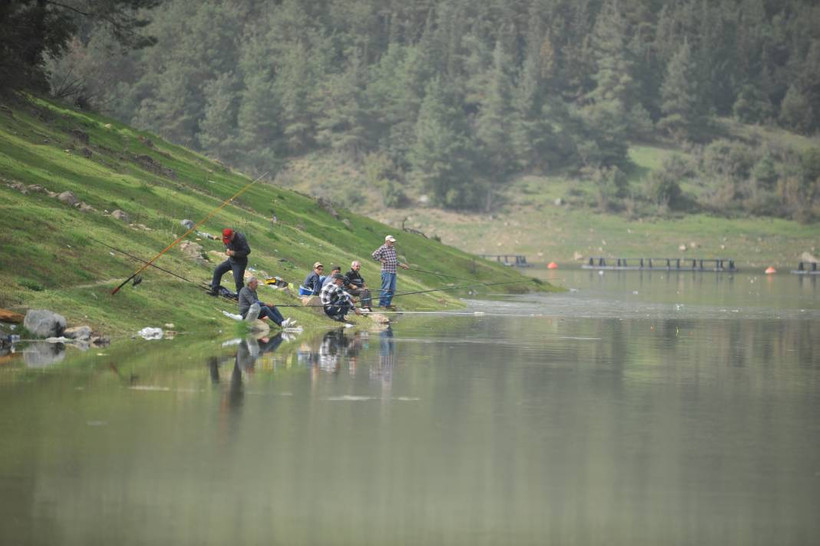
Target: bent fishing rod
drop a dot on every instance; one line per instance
(421, 291)
(193, 228)
(115, 249)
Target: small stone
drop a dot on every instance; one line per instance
(78, 332)
(120, 215)
(68, 198)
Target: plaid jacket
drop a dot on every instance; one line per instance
(334, 295)
(387, 256)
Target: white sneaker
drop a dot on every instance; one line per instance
(286, 323)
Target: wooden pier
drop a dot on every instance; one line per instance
(806, 268)
(717, 265)
(515, 260)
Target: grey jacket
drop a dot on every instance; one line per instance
(247, 297)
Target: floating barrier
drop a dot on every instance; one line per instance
(806, 268)
(718, 265)
(516, 260)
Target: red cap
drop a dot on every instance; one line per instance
(226, 235)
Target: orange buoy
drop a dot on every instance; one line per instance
(770, 270)
(552, 265)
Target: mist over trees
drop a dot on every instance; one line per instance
(457, 97)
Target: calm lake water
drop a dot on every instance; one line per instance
(635, 409)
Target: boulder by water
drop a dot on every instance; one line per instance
(78, 332)
(44, 323)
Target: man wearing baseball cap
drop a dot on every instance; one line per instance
(336, 302)
(386, 254)
(237, 250)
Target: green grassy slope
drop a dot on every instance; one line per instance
(51, 257)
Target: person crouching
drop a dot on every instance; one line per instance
(248, 296)
(336, 302)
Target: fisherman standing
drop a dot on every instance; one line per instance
(386, 254)
(237, 250)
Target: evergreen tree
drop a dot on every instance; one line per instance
(496, 120)
(442, 156)
(218, 129)
(795, 111)
(33, 30)
(682, 117)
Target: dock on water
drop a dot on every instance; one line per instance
(717, 265)
(806, 268)
(515, 260)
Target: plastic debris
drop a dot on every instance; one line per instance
(150, 333)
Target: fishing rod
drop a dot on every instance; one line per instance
(422, 291)
(141, 260)
(456, 287)
(434, 273)
(193, 228)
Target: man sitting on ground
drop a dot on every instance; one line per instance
(333, 270)
(313, 282)
(355, 285)
(336, 301)
(248, 296)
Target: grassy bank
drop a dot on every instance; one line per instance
(58, 256)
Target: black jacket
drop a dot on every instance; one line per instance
(354, 278)
(240, 246)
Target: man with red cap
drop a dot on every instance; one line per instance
(237, 250)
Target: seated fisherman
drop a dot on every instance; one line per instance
(333, 270)
(248, 296)
(313, 282)
(355, 285)
(336, 301)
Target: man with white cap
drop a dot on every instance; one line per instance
(386, 254)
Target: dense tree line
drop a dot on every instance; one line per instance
(459, 96)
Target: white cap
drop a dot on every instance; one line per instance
(390, 238)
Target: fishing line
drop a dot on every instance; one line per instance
(141, 260)
(169, 247)
(434, 273)
(423, 291)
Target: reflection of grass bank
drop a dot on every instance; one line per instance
(51, 257)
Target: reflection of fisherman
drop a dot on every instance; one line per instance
(386, 357)
(331, 348)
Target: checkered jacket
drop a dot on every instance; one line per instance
(334, 295)
(387, 256)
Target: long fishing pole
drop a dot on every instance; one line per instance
(434, 273)
(422, 291)
(181, 237)
(457, 287)
(142, 260)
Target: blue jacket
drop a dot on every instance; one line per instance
(313, 283)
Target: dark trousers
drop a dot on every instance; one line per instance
(338, 312)
(272, 313)
(364, 296)
(238, 267)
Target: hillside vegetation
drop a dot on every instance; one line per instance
(59, 255)
(457, 99)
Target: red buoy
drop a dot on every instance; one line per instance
(552, 265)
(770, 270)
